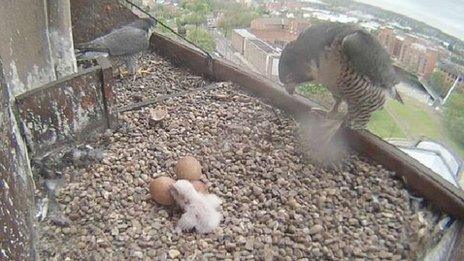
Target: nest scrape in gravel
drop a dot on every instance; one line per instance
(275, 203)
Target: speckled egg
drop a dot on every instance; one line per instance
(188, 168)
(159, 190)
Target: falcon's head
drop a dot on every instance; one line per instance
(146, 24)
(292, 68)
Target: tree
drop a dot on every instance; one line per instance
(235, 17)
(454, 117)
(193, 19)
(202, 7)
(437, 82)
(202, 38)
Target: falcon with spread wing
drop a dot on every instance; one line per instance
(350, 62)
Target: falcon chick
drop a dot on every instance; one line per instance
(122, 44)
(350, 62)
(201, 211)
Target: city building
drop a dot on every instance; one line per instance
(263, 56)
(410, 52)
(454, 73)
(238, 37)
(285, 5)
(278, 31)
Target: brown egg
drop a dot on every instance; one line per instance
(200, 186)
(159, 190)
(188, 168)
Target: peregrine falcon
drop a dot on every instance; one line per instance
(122, 44)
(350, 62)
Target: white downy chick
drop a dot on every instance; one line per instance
(201, 210)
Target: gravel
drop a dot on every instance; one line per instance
(159, 77)
(276, 204)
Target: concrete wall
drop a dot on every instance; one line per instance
(35, 49)
(16, 186)
(237, 42)
(93, 18)
(35, 43)
(255, 56)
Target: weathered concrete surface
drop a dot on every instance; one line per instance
(93, 18)
(61, 40)
(35, 48)
(16, 188)
(63, 112)
(35, 43)
(24, 45)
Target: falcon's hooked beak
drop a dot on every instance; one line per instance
(290, 88)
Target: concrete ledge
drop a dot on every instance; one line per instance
(419, 178)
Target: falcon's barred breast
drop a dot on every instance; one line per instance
(350, 62)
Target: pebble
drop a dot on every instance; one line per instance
(275, 203)
(174, 253)
(315, 229)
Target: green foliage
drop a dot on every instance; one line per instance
(202, 38)
(383, 125)
(161, 28)
(166, 13)
(192, 18)
(454, 117)
(309, 89)
(437, 82)
(458, 60)
(201, 7)
(238, 16)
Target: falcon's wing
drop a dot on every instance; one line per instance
(123, 41)
(369, 58)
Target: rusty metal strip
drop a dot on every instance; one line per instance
(109, 98)
(138, 105)
(63, 112)
(421, 179)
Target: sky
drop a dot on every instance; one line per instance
(446, 15)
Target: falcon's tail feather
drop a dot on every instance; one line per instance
(91, 46)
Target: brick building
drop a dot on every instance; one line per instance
(409, 51)
(278, 31)
(260, 54)
(452, 72)
(238, 39)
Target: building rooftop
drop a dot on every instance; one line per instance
(450, 67)
(263, 46)
(434, 156)
(419, 47)
(244, 33)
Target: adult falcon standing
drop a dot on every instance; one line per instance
(350, 62)
(122, 44)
